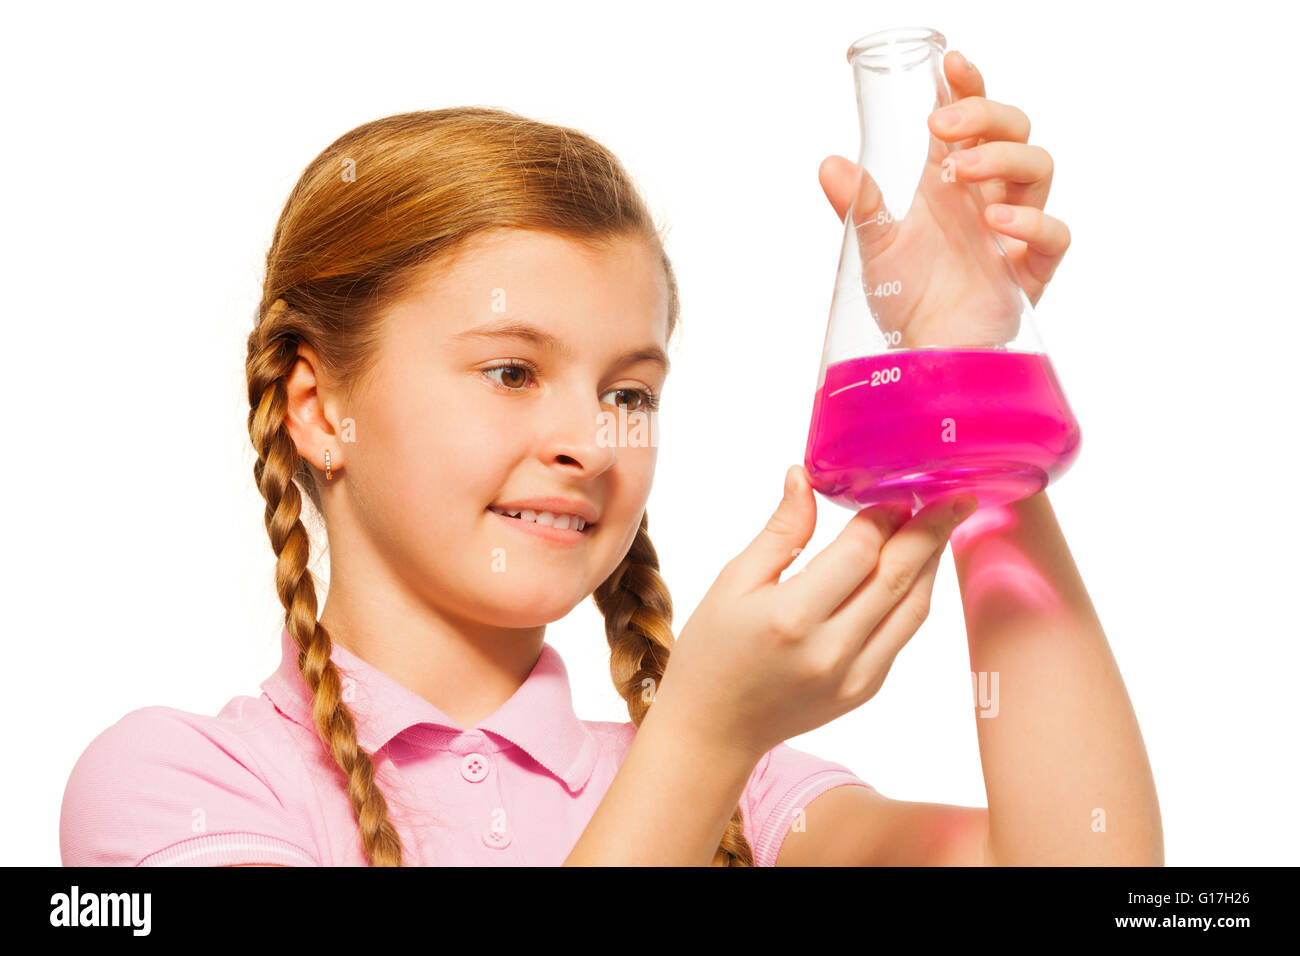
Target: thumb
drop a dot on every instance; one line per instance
(838, 181)
(785, 534)
(846, 184)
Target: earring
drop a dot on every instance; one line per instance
(328, 474)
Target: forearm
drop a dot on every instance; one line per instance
(1065, 768)
(670, 802)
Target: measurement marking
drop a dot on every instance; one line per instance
(865, 381)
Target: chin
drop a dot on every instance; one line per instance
(521, 599)
(520, 618)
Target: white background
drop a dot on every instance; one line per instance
(149, 151)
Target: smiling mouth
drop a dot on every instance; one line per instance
(586, 528)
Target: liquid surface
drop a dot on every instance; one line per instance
(919, 426)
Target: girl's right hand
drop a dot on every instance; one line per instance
(762, 660)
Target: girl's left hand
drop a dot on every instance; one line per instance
(1013, 176)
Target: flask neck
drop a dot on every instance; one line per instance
(898, 75)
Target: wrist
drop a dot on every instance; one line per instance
(694, 733)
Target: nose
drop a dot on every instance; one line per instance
(580, 437)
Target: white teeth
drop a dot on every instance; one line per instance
(549, 518)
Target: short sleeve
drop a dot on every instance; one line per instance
(783, 782)
(162, 787)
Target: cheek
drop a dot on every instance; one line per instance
(432, 426)
(416, 454)
(636, 469)
(638, 472)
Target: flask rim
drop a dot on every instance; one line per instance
(888, 50)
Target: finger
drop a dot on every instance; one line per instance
(900, 564)
(783, 537)
(976, 117)
(1046, 238)
(839, 178)
(848, 186)
(899, 626)
(841, 567)
(963, 78)
(1020, 165)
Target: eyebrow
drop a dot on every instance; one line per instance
(509, 328)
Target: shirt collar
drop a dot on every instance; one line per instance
(538, 718)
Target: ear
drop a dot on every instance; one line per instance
(306, 417)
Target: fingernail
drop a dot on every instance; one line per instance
(964, 507)
(962, 62)
(948, 117)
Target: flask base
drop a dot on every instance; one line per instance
(993, 483)
(917, 426)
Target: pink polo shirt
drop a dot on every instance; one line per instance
(163, 787)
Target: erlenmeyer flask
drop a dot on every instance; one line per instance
(933, 379)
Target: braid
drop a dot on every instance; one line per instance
(638, 613)
(271, 355)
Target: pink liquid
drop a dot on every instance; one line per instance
(938, 423)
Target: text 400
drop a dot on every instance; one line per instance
(885, 288)
(885, 376)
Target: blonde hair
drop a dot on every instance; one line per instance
(381, 201)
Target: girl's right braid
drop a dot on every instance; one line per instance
(271, 356)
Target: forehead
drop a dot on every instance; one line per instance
(549, 279)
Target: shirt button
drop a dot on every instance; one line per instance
(496, 837)
(474, 767)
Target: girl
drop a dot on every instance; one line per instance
(453, 299)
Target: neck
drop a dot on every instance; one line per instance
(465, 668)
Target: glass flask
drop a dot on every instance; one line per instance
(933, 381)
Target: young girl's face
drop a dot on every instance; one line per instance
(443, 431)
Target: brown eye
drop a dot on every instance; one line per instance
(647, 400)
(514, 375)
